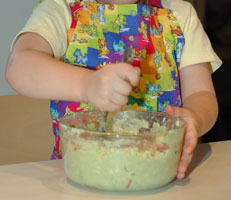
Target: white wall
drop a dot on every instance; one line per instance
(13, 16)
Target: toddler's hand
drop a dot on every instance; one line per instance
(190, 138)
(109, 87)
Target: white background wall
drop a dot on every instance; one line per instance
(13, 16)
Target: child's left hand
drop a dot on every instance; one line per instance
(190, 138)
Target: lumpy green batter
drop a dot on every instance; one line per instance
(121, 163)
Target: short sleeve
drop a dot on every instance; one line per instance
(51, 19)
(198, 48)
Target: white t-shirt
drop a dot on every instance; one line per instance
(52, 20)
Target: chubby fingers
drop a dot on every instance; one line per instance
(128, 76)
(184, 162)
(174, 111)
(190, 127)
(113, 84)
(190, 139)
(122, 87)
(119, 99)
(187, 153)
(129, 73)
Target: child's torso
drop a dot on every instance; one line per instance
(99, 35)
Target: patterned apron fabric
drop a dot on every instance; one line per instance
(100, 33)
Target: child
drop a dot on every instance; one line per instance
(173, 59)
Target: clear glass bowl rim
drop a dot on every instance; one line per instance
(108, 134)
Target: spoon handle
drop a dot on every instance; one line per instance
(127, 58)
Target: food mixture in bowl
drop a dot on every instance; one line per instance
(141, 153)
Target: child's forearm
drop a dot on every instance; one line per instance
(204, 105)
(36, 74)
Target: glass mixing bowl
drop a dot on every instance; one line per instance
(141, 152)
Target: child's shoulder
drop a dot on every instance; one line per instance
(178, 5)
(183, 10)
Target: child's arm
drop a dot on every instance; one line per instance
(32, 71)
(200, 108)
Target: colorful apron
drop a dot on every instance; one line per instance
(100, 33)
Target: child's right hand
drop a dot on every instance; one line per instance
(108, 89)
